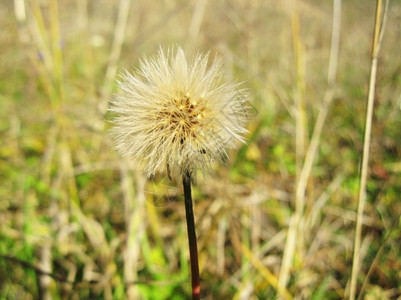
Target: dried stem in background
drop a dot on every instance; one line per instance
(377, 38)
(115, 52)
(134, 224)
(304, 174)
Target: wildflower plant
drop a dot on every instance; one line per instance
(177, 116)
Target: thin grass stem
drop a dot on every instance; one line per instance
(377, 38)
(300, 142)
(115, 52)
(305, 168)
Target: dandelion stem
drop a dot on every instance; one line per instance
(193, 250)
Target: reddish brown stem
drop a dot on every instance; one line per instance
(193, 249)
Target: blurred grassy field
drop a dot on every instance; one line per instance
(78, 222)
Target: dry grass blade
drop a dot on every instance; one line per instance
(380, 22)
(266, 273)
(135, 226)
(312, 149)
(118, 39)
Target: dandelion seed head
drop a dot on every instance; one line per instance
(176, 115)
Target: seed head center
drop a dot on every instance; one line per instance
(187, 112)
(182, 115)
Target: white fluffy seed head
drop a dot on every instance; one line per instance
(176, 115)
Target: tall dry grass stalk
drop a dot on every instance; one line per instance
(380, 22)
(115, 52)
(45, 38)
(40, 33)
(134, 207)
(297, 222)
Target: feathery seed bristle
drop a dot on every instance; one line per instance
(177, 115)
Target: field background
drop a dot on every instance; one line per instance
(78, 222)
